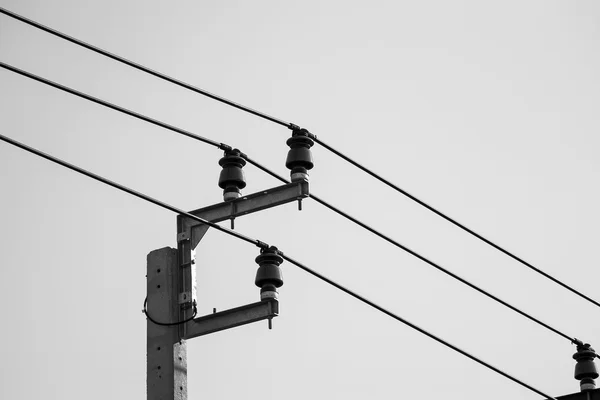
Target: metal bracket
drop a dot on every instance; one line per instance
(190, 233)
(231, 318)
(185, 299)
(243, 206)
(183, 236)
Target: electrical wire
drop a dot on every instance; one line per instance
(264, 245)
(125, 189)
(145, 311)
(111, 105)
(141, 67)
(420, 257)
(291, 126)
(453, 221)
(280, 178)
(410, 324)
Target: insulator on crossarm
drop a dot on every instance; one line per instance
(232, 178)
(269, 276)
(585, 369)
(299, 159)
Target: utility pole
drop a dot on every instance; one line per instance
(170, 305)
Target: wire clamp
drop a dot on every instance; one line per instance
(145, 312)
(302, 131)
(262, 245)
(185, 300)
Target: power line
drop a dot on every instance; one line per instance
(444, 270)
(260, 244)
(454, 222)
(317, 199)
(420, 257)
(111, 105)
(410, 324)
(125, 189)
(141, 67)
(290, 126)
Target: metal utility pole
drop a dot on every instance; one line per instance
(170, 306)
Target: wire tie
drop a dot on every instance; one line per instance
(311, 135)
(262, 245)
(243, 155)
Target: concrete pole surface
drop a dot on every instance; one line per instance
(166, 353)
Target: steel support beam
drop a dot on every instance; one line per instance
(243, 206)
(231, 318)
(190, 232)
(587, 395)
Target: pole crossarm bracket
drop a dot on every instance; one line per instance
(231, 318)
(243, 206)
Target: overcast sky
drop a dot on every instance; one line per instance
(485, 110)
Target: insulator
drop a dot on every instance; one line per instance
(232, 177)
(269, 276)
(585, 369)
(299, 159)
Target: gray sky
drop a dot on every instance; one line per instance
(486, 110)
